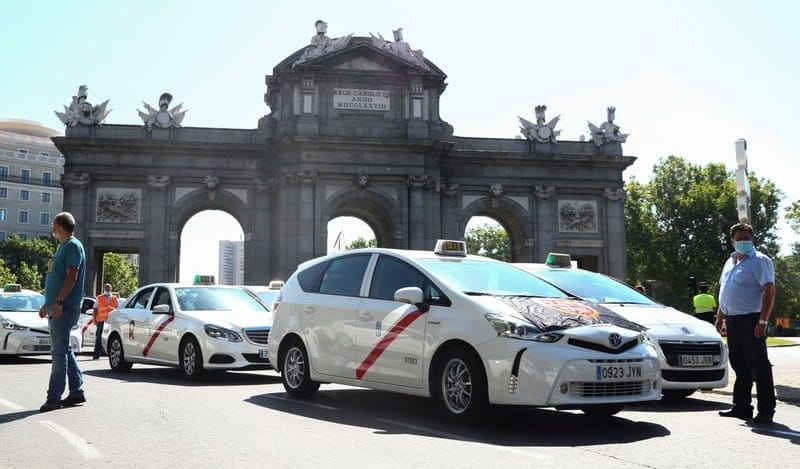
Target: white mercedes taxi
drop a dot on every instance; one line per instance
(692, 353)
(22, 331)
(465, 330)
(193, 327)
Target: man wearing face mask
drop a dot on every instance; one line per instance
(105, 304)
(746, 297)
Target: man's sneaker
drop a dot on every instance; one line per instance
(73, 400)
(739, 414)
(763, 418)
(50, 404)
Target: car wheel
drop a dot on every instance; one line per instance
(116, 356)
(602, 411)
(191, 358)
(295, 373)
(460, 386)
(676, 394)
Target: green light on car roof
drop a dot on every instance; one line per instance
(12, 287)
(555, 259)
(204, 280)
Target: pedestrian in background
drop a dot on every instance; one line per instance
(746, 297)
(63, 292)
(705, 306)
(105, 303)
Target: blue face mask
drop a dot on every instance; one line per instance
(743, 247)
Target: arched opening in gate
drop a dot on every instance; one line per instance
(486, 236)
(348, 232)
(212, 243)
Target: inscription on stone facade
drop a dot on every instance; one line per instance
(118, 205)
(353, 99)
(577, 216)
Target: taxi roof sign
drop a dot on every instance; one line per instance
(204, 280)
(275, 284)
(12, 287)
(557, 259)
(451, 247)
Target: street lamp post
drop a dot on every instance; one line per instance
(742, 184)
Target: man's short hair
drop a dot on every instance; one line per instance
(741, 227)
(65, 220)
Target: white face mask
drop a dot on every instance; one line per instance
(107, 293)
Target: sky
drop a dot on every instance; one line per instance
(687, 78)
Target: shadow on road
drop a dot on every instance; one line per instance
(173, 377)
(696, 403)
(390, 413)
(6, 418)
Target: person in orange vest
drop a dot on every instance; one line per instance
(103, 307)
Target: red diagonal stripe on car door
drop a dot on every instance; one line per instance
(155, 335)
(86, 326)
(390, 336)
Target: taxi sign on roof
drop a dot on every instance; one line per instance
(556, 259)
(12, 287)
(450, 247)
(276, 284)
(204, 280)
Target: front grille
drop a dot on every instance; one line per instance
(673, 350)
(41, 331)
(602, 348)
(254, 358)
(622, 388)
(685, 376)
(257, 336)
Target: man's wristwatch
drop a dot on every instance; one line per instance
(763, 321)
(59, 302)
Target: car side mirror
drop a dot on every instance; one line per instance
(410, 295)
(161, 309)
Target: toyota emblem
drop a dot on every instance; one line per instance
(615, 339)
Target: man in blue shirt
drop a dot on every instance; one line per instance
(63, 292)
(746, 297)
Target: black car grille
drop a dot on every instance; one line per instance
(686, 376)
(623, 388)
(254, 358)
(602, 348)
(257, 336)
(673, 350)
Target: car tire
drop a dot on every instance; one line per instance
(459, 385)
(676, 394)
(116, 355)
(602, 411)
(295, 371)
(191, 358)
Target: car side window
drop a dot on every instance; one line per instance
(391, 274)
(309, 278)
(344, 275)
(162, 298)
(141, 299)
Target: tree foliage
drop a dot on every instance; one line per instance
(490, 241)
(29, 277)
(6, 276)
(120, 273)
(36, 254)
(677, 226)
(362, 243)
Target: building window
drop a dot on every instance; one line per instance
(2, 235)
(22, 236)
(24, 194)
(23, 216)
(3, 173)
(2, 214)
(22, 152)
(25, 176)
(3, 193)
(45, 197)
(44, 153)
(44, 218)
(47, 176)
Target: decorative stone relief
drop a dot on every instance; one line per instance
(615, 194)
(495, 193)
(608, 132)
(400, 48)
(162, 117)
(544, 192)
(211, 183)
(451, 190)
(423, 181)
(157, 181)
(540, 132)
(262, 185)
(361, 180)
(321, 44)
(118, 205)
(75, 179)
(81, 111)
(306, 178)
(577, 216)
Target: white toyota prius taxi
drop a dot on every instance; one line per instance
(194, 327)
(691, 352)
(22, 331)
(465, 330)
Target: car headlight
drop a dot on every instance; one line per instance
(9, 324)
(512, 329)
(221, 333)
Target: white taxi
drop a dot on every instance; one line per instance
(692, 353)
(22, 331)
(465, 330)
(193, 327)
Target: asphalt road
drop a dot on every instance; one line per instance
(152, 417)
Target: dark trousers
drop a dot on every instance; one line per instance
(708, 316)
(748, 356)
(98, 339)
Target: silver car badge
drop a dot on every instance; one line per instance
(615, 339)
(686, 330)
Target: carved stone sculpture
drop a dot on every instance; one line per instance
(608, 132)
(540, 132)
(400, 48)
(614, 194)
(544, 192)
(321, 44)
(361, 179)
(75, 179)
(162, 117)
(496, 191)
(158, 181)
(81, 111)
(115, 206)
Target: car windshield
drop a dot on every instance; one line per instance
(593, 286)
(478, 277)
(210, 298)
(21, 302)
(268, 296)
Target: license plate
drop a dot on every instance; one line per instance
(44, 341)
(262, 353)
(618, 372)
(696, 360)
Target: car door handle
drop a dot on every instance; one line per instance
(308, 310)
(365, 316)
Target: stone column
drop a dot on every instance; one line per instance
(259, 251)
(77, 201)
(157, 261)
(545, 224)
(297, 231)
(614, 203)
(416, 210)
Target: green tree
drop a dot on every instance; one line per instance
(36, 253)
(29, 277)
(490, 241)
(6, 275)
(362, 243)
(120, 273)
(677, 225)
(787, 290)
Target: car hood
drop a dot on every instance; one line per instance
(232, 319)
(550, 314)
(662, 317)
(27, 319)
